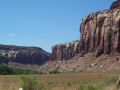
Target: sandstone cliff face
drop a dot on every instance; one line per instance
(98, 47)
(64, 51)
(23, 55)
(115, 5)
(100, 33)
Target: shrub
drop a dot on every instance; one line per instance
(31, 83)
(114, 79)
(90, 87)
(81, 87)
(5, 70)
(55, 71)
(23, 72)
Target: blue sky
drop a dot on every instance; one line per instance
(44, 23)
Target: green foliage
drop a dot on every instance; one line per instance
(55, 71)
(5, 70)
(23, 72)
(81, 87)
(32, 83)
(114, 79)
(90, 87)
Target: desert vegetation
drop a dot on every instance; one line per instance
(61, 81)
(31, 83)
(5, 70)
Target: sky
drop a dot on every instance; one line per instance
(44, 23)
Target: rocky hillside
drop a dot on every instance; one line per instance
(88, 63)
(100, 33)
(23, 55)
(98, 48)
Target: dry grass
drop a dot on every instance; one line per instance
(68, 81)
(9, 82)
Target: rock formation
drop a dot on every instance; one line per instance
(64, 51)
(97, 50)
(100, 33)
(23, 55)
(115, 5)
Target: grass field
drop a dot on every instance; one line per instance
(66, 81)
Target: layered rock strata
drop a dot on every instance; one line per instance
(100, 33)
(64, 51)
(23, 55)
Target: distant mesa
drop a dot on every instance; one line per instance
(23, 55)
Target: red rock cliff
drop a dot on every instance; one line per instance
(100, 33)
(65, 51)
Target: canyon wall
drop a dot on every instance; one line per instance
(23, 55)
(65, 51)
(100, 33)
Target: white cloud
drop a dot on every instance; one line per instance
(12, 35)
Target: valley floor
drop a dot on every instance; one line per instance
(66, 81)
